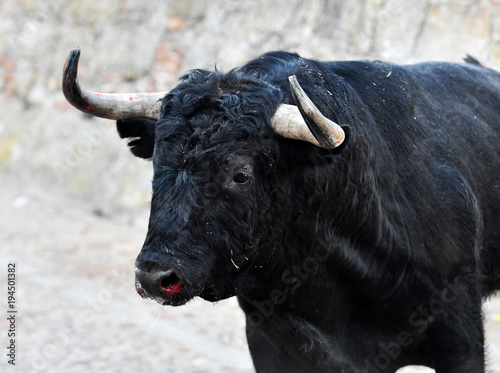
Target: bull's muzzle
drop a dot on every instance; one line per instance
(157, 284)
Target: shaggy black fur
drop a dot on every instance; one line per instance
(365, 258)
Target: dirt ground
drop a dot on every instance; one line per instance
(78, 310)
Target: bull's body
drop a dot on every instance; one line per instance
(410, 210)
(410, 213)
(365, 258)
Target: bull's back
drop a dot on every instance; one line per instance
(452, 136)
(436, 131)
(462, 104)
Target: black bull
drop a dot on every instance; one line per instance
(365, 257)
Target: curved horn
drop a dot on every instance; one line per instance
(107, 105)
(305, 122)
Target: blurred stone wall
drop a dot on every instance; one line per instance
(145, 46)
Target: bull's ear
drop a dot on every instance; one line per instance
(141, 131)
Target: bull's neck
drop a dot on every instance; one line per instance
(336, 219)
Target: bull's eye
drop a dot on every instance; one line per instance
(241, 178)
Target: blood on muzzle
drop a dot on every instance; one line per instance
(171, 284)
(157, 282)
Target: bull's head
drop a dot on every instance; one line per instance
(213, 143)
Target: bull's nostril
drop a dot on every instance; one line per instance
(171, 284)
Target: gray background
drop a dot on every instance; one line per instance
(75, 202)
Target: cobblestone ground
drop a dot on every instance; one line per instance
(77, 308)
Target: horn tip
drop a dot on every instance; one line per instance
(74, 53)
(70, 85)
(72, 60)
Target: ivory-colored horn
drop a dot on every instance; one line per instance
(107, 105)
(305, 122)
